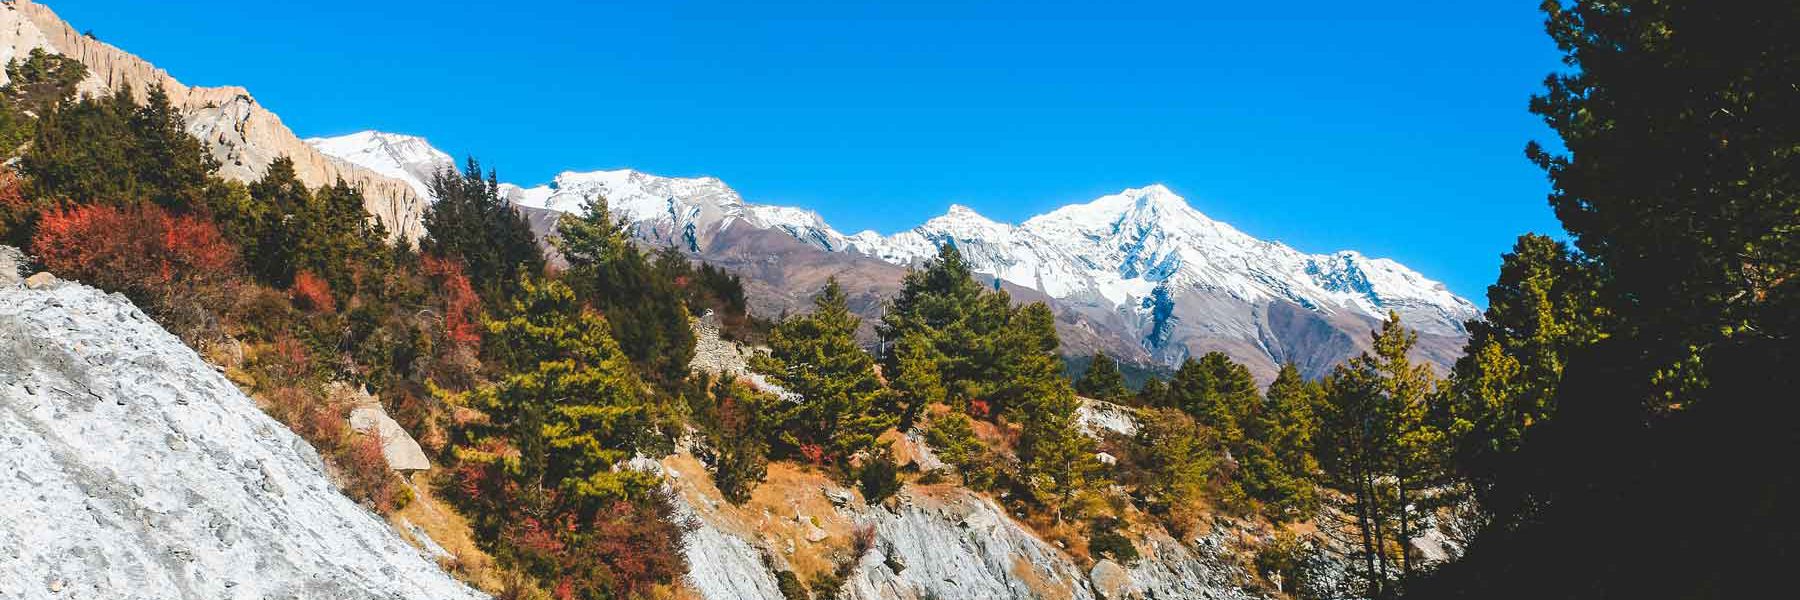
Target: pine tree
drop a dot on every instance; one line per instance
(816, 357)
(471, 222)
(1179, 459)
(1674, 178)
(567, 401)
(1218, 393)
(942, 303)
(952, 438)
(735, 423)
(281, 198)
(1542, 309)
(647, 311)
(35, 86)
(1057, 458)
(914, 381)
(109, 150)
(1354, 447)
(1278, 462)
(1102, 380)
(1380, 444)
(543, 473)
(1154, 394)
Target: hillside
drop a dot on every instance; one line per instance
(133, 469)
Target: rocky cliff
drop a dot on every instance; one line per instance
(242, 134)
(131, 468)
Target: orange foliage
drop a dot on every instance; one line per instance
(461, 305)
(173, 263)
(366, 473)
(814, 454)
(309, 292)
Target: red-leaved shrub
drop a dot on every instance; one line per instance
(461, 305)
(177, 266)
(366, 474)
(310, 293)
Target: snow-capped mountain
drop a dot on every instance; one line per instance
(685, 211)
(1118, 250)
(1139, 273)
(407, 158)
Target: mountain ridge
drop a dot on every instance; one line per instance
(1126, 265)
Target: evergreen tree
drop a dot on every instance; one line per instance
(1542, 309)
(109, 150)
(1354, 447)
(1155, 393)
(1278, 461)
(1102, 380)
(647, 311)
(952, 438)
(816, 357)
(471, 222)
(915, 381)
(1380, 445)
(1057, 458)
(34, 87)
(567, 401)
(1676, 184)
(290, 229)
(1179, 458)
(735, 422)
(542, 473)
(942, 303)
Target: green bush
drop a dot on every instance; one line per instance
(1106, 538)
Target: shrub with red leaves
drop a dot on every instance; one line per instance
(177, 266)
(623, 552)
(310, 293)
(14, 208)
(461, 305)
(366, 474)
(814, 454)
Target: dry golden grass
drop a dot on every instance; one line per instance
(787, 508)
(451, 531)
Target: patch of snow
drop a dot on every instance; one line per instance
(404, 157)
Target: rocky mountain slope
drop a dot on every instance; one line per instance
(133, 469)
(242, 134)
(1140, 274)
(929, 541)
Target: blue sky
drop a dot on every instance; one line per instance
(1392, 128)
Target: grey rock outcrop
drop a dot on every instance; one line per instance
(398, 447)
(12, 265)
(132, 470)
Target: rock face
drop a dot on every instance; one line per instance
(937, 542)
(131, 469)
(959, 545)
(241, 133)
(398, 447)
(12, 265)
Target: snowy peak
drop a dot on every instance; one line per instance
(1129, 251)
(408, 158)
